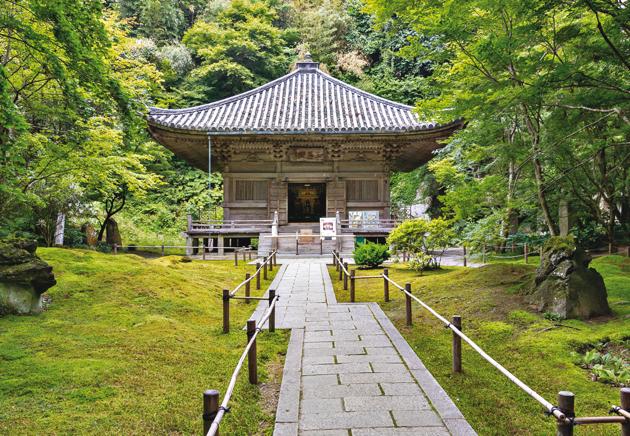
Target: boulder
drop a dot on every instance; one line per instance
(24, 277)
(565, 285)
(90, 237)
(112, 233)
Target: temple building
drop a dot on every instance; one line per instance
(299, 148)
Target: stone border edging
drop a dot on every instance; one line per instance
(442, 403)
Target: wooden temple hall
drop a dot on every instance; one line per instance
(299, 148)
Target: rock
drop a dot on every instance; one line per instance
(565, 285)
(112, 233)
(90, 238)
(24, 277)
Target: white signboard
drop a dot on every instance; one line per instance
(328, 227)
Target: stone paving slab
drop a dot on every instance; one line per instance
(348, 371)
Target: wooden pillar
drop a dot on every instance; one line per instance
(252, 364)
(162, 250)
(265, 262)
(272, 317)
(220, 245)
(247, 287)
(226, 311)
(625, 405)
(257, 276)
(457, 345)
(270, 262)
(385, 285)
(465, 261)
(408, 303)
(566, 404)
(352, 284)
(345, 276)
(235, 258)
(526, 253)
(210, 409)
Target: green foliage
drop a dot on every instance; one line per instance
(424, 240)
(605, 367)
(370, 255)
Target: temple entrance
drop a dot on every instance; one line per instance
(307, 202)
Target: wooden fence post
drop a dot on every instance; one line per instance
(385, 285)
(483, 253)
(203, 254)
(257, 276)
(265, 262)
(210, 409)
(115, 248)
(465, 262)
(247, 287)
(340, 268)
(162, 250)
(270, 262)
(352, 273)
(335, 260)
(625, 405)
(251, 355)
(249, 255)
(226, 311)
(235, 257)
(272, 317)
(345, 276)
(525, 253)
(408, 303)
(566, 404)
(610, 248)
(275, 259)
(244, 256)
(457, 345)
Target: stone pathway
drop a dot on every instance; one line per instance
(348, 371)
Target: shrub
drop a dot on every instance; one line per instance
(424, 240)
(370, 255)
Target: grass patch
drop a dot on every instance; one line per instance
(537, 350)
(127, 346)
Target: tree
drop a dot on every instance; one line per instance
(538, 82)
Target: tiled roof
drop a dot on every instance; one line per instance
(307, 100)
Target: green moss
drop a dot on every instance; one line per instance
(536, 350)
(560, 243)
(127, 346)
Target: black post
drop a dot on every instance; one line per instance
(257, 276)
(385, 284)
(265, 268)
(566, 404)
(226, 311)
(457, 345)
(340, 268)
(408, 303)
(345, 276)
(270, 258)
(210, 409)
(235, 257)
(247, 287)
(272, 317)
(352, 272)
(465, 262)
(251, 355)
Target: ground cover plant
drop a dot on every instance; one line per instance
(127, 346)
(370, 255)
(539, 351)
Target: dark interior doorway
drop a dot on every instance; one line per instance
(307, 202)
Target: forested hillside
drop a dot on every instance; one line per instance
(543, 87)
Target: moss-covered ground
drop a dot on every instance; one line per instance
(127, 346)
(535, 349)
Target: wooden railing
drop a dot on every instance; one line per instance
(261, 268)
(350, 225)
(564, 412)
(232, 225)
(213, 413)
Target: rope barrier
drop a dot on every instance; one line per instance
(551, 409)
(253, 276)
(223, 408)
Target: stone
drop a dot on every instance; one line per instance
(90, 237)
(24, 277)
(112, 233)
(564, 284)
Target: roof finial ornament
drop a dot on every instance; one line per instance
(308, 57)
